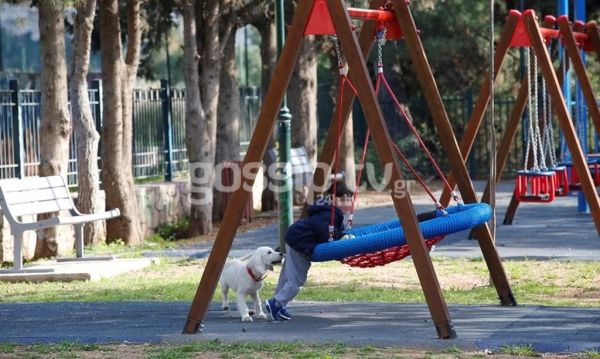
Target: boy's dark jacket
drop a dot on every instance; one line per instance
(304, 235)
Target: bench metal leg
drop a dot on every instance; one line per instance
(79, 240)
(18, 257)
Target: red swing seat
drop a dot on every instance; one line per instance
(535, 186)
(380, 258)
(573, 176)
(561, 180)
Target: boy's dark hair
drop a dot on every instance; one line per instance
(340, 190)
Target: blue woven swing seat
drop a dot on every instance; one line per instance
(380, 236)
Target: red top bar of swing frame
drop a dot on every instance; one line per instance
(381, 15)
(581, 38)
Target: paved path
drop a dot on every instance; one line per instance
(548, 329)
(540, 231)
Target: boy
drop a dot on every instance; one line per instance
(301, 239)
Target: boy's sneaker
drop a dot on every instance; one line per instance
(273, 309)
(284, 314)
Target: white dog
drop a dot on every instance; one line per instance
(245, 276)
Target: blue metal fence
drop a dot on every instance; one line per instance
(159, 148)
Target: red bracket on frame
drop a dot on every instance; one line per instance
(320, 23)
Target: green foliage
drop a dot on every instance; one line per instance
(248, 56)
(520, 350)
(174, 231)
(453, 349)
(162, 34)
(7, 347)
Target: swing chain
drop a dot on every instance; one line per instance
(441, 208)
(338, 54)
(529, 110)
(551, 133)
(380, 34)
(566, 82)
(538, 136)
(456, 198)
(548, 139)
(350, 219)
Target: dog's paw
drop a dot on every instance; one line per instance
(225, 308)
(251, 313)
(246, 318)
(262, 316)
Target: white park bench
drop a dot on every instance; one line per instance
(37, 195)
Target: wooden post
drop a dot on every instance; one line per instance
(483, 99)
(577, 62)
(446, 135)
(256, 150)
(400, 196)
(579, 159)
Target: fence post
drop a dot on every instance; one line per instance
(165, 94)
(17, 125)
(97, 85)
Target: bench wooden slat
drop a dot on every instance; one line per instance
(56, 205)
(36, 195)
(30, 183)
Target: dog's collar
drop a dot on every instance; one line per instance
(256, 279)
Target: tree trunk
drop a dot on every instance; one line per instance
(228, 126)
(55, 125)
(116, 177)
(194, 113)
(303, 100)
(83, 121)
(207, 18)
(268, 51)
(303, 107)
(132, 60)
(268, 55)
(346, 155)
(347, 163)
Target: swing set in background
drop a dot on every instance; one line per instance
(332, 17)
(558, 179)
(543, 178)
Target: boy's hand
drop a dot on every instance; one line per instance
(347, 236)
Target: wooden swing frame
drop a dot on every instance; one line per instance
(537, 38)
(355, 51)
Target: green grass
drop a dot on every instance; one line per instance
(294, 350)
(591, 354)
(152, 243)
(176, 280)
(63, 347)
(7, 347)
(519, 350)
